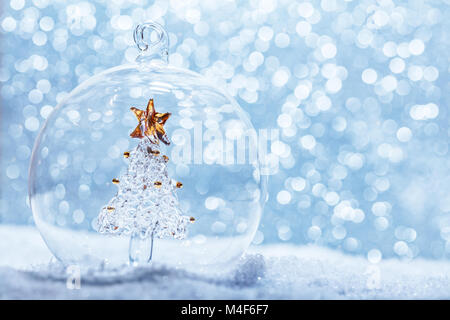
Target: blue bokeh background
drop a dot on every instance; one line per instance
(358, 90)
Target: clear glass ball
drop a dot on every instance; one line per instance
(80, 150)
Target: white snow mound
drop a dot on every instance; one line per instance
(266, 272)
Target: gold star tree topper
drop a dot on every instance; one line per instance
(151, 124)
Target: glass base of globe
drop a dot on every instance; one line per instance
(90, 250)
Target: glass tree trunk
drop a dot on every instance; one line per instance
(141, 249)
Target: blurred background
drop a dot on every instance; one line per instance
(358, 90)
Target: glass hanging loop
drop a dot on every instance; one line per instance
(152, 41)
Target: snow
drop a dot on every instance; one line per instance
(27, 271)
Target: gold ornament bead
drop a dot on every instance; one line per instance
(158, 184)
(192, 219)
(115, 228)
(179, 185)
(166, 158)
(110, 209)
(115, 181)
(153, 152)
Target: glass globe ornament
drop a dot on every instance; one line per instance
(147, 163)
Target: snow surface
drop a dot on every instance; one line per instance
(27, 271)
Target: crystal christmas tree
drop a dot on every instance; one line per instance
(145, 206)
